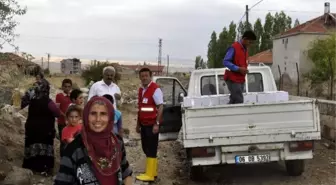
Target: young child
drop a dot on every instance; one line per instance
(117, 127)
(74, 119)
(76, 97)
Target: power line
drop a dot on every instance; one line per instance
(294, 11)
(256, 4)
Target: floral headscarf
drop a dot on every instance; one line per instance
(103, 147)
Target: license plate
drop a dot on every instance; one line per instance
(246, 159)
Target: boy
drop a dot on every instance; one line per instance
(74, 126)
(76, 97)
(63, 101)
(117, 127)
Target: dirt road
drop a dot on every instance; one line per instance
(173, 168)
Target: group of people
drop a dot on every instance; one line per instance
(90, 134)
(92, 149)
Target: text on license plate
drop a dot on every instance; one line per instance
(263, 158)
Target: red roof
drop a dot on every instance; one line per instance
(153, 68)
(265, 57)
(316, 25)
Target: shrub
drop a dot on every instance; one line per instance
(94, 72)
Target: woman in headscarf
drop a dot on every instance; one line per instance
(39, 128)
(96, 155)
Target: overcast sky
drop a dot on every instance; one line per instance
(129, 29)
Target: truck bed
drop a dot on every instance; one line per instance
(252, 120)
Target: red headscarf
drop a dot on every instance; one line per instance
(103, 147)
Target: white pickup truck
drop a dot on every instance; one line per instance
(238, 133)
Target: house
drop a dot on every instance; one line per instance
(265, 57)
(71, 66)
(290, 47)
(157, 70)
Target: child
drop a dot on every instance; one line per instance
(117, 127)
(63, 101)
(76, 97)
(74, 118)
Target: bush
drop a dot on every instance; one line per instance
(94, 72)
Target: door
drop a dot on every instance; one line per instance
(172, 116)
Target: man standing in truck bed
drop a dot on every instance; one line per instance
(236, 61)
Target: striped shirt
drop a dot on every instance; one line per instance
(75, 167)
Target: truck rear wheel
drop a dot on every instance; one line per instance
(295, 167)
(196, 173)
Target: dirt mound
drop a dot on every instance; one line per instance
(11, 59)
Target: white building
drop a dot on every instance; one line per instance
(290, 48)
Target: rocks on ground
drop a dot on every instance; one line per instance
(18, 176)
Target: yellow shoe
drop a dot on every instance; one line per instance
(149, 174)
(146, 168)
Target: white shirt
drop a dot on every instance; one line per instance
(100, 88)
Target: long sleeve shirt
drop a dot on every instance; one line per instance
(229, 58)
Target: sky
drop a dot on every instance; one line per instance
(129, 30)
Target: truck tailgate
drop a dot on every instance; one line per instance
(251, 120)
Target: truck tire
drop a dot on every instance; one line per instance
(196, 173)
(295, 167)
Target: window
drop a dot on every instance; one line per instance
(208, 84)
(255, 82)
(171, 89)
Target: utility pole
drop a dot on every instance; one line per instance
(247, 18)
(42, 62)
(160, 54)
(48, 54)
(167, 65)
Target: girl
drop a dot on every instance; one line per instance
(74, 126)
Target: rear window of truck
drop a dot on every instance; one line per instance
(209, 86)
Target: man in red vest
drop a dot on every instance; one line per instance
(236, 61)
(150, 103)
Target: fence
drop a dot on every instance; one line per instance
(327, 107)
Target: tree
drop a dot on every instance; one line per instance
(322, 54)
(240, 30)
(222, 45)
(266, 42)
(94, 71)
(258, 30)
(212, 50)
(199, 63)
(297, 23)
(9, 9)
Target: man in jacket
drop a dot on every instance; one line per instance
(150, 103)
(236, 61)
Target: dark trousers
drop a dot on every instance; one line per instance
(236, 92)
(149, 141)
(60, 128)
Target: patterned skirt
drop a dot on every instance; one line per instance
(39, 151)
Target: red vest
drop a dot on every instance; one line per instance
(240, 60)
(147, 108)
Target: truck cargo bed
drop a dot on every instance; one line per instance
(250, 119)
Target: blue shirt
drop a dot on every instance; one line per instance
(117, 121)
(229, 57)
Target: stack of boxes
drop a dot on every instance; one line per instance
(249, 98)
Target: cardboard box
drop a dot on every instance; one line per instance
(250, 98)
(272, 97)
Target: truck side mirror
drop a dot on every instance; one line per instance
(180, 97)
